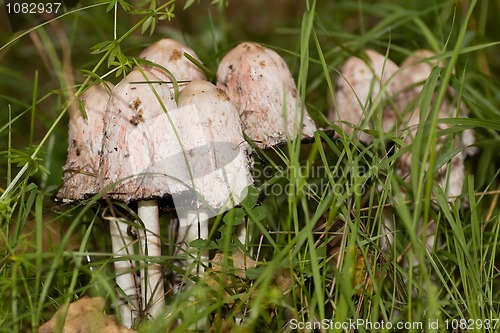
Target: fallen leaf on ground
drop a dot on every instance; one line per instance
(238, 263)
(230, 273)
(83, 316)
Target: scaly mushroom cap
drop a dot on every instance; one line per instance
(222, 165)
(80, 179)
(135, 133)
(260, 85)
(170, 54)
(417, 67)
(415, 70)
(359, 85)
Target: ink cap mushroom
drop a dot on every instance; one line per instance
(260, 85)
(363, 84)
(81, 181)
(221, 164)
(210, 172)
(415, 70)
(172, 56)
(134, 132)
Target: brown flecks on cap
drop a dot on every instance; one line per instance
(136, 103)
(138, 118)
(176, 55)
(222, 95)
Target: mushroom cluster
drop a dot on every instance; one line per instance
(415, 70)
(369, 85)
(138, 145)
(377, 83)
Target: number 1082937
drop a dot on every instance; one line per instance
(473, 324)
(33, 7)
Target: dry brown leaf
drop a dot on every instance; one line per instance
(230, 273)
(83, 316)
(221, 325)
(362, 281)
(239, 264)
(283, 280)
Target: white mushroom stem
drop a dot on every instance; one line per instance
(151, 276)
(216, 172)
(122, 247)
(193, 225)
(241, 233)
(131, 142)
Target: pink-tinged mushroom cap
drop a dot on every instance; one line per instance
(415, 70)
(169, 54)
(222, 163)
(80, 177)
(361, 83)
(135, 132)
(260, 85)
